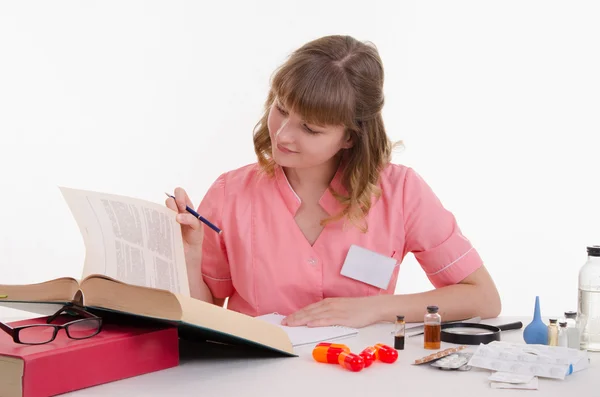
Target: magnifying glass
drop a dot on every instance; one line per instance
(475, 334)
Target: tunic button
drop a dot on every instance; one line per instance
(312, 261)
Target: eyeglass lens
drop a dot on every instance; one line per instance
(43, 333)
(36, 334)
(84, 328)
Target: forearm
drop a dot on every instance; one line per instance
(455, 302)
(198, 288)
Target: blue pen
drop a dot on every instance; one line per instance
(197, 215)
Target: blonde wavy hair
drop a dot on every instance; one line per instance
(336, 80)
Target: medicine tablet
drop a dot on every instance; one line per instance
(453, 361)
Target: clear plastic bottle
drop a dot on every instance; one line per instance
(563, 336)
(572, 330)
(588, 301)
(433, 328)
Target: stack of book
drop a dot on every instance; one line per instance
(134, 270)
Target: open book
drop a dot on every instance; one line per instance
(135, 265)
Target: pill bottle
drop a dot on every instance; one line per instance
(572, 330)
(399, 331)
(433, 328)
(552, 333)
(563, 335)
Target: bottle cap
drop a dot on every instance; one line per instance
(593, 250)
(563, 323)
(432, 309)
(400, 318)
(553, 320)
(571, 314)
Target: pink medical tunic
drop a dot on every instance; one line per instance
(263, 263)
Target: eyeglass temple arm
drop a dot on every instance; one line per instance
(6, 328)
(69, 308)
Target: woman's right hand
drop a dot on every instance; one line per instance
(191, 227)
(192, 232)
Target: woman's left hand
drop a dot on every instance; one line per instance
(349, 312)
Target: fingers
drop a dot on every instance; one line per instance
(308, 314)
(182, 200)
(313, 319)
(189, 220)
(178, 204)
(170, 203)
(323, 322)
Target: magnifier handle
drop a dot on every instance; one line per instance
(508, 327)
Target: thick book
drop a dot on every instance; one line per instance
(135, 265)
(118, 351)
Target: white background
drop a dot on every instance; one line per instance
(497, 104)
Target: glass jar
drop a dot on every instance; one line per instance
(574, 341)
(399, 332)
(433, 328)
(588, 300)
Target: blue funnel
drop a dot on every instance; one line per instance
(536, 333)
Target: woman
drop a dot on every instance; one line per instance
(323, 194)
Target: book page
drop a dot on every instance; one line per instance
(134, 241)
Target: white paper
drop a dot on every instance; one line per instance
(131, 240)
(303, 335)
(508, 377)
(369, 267)
(538, 360)
(533, 384)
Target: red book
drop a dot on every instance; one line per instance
(119, 351)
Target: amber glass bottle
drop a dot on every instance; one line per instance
(433, 328)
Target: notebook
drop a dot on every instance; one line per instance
(303, 335)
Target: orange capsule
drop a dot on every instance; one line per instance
(328, 353)
(368, 355)
(340, 345)
(386, 353)
(350, 361)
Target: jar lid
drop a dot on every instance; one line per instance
(399, 318)
(571, 314)
(432, 309)
(593, 250)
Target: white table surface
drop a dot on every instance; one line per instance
(226, 373)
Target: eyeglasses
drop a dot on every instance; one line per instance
(38, 334)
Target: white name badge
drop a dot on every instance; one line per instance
(369, 267)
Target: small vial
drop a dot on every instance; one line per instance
(433, 328)
(369, 355)
(563, 336)
(399, 333)
(351, 361)
(328, 352)
(572, 330)
(385, 353)
(553, 333)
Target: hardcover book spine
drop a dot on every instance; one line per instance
(92, 364)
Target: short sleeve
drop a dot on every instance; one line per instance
(433, 236)
(215, 266)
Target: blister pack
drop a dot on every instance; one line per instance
(455, 361)
(437, 355)
(538, 360)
